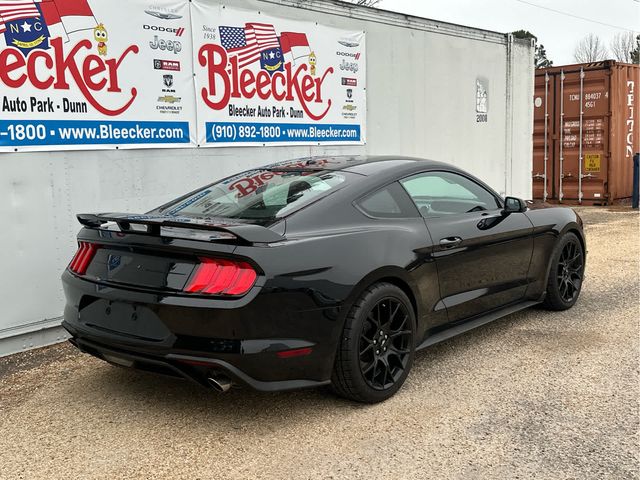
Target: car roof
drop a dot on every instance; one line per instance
(360, 164)
(377, 168)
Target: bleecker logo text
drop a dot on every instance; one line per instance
(286, 85)
(46, 69)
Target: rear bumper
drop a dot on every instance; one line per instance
(196, 369)
(202, 339)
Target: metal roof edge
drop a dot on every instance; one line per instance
(575, 67)
(403, 20)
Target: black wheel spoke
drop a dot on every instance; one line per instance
(569, 289)
(567, 252)
(575, 258)
(400, 333)
(366, 369)
(398, 351)
(366, 349)
(395, 311)
(401, 325)
(387, 311)
(398, 362)
(385, 374)
(574, 284)
(563, 289)
(373, 320)
(375, 369)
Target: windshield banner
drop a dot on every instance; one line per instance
(83, 74)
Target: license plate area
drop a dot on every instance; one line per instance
(125, 319)
(140, 269)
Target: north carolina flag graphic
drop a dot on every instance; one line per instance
(22, 25)
(247, 43)
(294, 45)
(73, 15)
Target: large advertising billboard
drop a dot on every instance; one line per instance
(267, 80)
(91, 74)
(94, 74)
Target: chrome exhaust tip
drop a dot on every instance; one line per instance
(220, 384)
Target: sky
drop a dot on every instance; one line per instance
(558, 33)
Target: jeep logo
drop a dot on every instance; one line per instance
(169, 45)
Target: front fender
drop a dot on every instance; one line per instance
(550, 224)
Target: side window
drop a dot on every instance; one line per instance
(447, 193)
(388, 202)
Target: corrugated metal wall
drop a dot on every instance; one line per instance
(421, 101)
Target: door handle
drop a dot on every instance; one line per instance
(450, 242)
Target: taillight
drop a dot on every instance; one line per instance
(221, 277)
(83, 257)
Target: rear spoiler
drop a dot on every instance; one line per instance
(248, 232)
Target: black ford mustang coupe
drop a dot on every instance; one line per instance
(314, 271)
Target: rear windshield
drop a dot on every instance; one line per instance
(262, 195)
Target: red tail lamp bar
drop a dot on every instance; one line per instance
(298, 352)
(83, 257)
(222, 277)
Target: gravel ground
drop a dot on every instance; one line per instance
(536, 395)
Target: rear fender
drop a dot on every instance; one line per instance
(392, 274)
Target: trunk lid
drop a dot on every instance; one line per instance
(164, 252)
(156, 270)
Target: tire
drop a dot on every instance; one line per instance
(566, 274)
(377, 346)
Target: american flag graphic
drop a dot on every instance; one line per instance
(247, 43)
(11, 10)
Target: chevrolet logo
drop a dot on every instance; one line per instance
(169, 99)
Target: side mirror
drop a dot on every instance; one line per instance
(514, 205)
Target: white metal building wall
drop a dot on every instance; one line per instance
(421, 99)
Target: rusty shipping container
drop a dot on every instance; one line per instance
(586, 130)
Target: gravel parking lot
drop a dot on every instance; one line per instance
(536, 395)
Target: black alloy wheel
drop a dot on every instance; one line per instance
(566, 275)
(569, 271)
(385, 344)
(377, 345)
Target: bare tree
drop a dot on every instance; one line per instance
(590, 49)
(622, 46)
(364, 3)
(635, 53)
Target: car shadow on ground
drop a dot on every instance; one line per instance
(172, 396)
